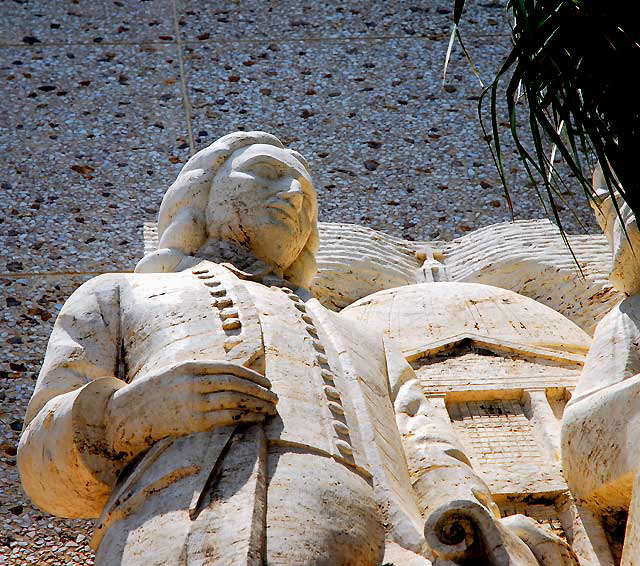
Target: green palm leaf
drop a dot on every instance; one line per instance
(575, 61)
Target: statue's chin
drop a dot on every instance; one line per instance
(280, 253)
(274, 240)
(279, 262)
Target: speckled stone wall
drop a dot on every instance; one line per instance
(104, 99)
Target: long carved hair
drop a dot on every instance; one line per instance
(182, 225)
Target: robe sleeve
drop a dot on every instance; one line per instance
(64, 463)
(438, 466)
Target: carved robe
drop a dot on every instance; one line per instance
(313, 484)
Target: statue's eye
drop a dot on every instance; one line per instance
(265, 170)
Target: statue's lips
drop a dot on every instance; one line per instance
(285, 208)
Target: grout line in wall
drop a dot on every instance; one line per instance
(183, 79)
(280, 40)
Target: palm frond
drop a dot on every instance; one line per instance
(574, 61)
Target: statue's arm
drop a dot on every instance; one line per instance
(438, 467)
(58, 454)
(456, 504)
(83, 424)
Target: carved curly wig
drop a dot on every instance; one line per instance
(182, 225)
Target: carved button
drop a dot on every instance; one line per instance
(295, 298)
(341, 428)
(336, 408)
(318, 346)
(307, 319)
(224, 302)
(228, 314)
(300, 307)
(212, 283)
(286, 290)
(344, 448)
(311, 330)
(332, 392)
(206, 276)
(231, 324)
(327, 376)
(200, 271)
(218, 292)
(322, 359)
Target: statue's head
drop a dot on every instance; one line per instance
(245, 189)
(620, 226)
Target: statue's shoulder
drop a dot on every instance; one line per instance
(111, 284)
(110, 280)
(100, 283)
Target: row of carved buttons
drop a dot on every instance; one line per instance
(343, 444)
(226, 311)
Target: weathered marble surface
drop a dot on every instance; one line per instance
(207, 409)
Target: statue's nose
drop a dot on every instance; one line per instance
(293, 195)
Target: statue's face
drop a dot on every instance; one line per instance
(263, 199)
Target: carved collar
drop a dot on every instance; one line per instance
(242, 263)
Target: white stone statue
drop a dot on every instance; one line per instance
(207, 410)
(601, 423)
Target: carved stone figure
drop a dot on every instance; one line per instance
(601, 423)
(207, 410)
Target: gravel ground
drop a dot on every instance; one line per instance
(104, 100)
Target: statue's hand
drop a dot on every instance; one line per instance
(186, 398)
